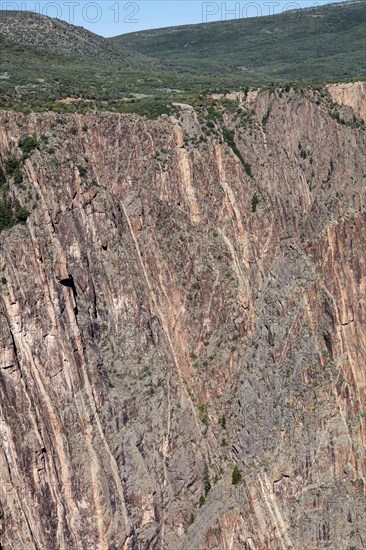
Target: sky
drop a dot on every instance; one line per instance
(113, 17)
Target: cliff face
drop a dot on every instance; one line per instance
(351, 94)
(169, 311)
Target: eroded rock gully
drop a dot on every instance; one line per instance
(164, 316)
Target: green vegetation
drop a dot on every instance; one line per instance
(2, 177)
(206, 481)
(11, 212)
(333, 109)
(255, 202)
(54, 61)
(13, 168)
(150, 108)
(82, 171)
(223, 422)
(248, 169)
(229, 137)
(202, 501)
(321, 43)
(236, 476)
(304, 154)
(202, 413)
(266, 117)
(27, 145)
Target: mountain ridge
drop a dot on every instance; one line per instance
(59, 37)
(248, 41)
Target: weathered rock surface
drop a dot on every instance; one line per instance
(164, 316)
(352, 94)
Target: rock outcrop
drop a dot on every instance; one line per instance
(351, 94)
(176, 305)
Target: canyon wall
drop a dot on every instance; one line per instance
(175, 306)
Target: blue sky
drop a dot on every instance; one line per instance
(113, 17)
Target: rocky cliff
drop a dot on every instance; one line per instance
(182, 329)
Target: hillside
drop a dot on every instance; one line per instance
(56, 37)
(315, 44)
(45, 60)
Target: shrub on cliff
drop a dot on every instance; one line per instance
(20, 213)
(236, 476)
(206, 481)
(11, 212)
(82, 171)
(202, 413)
(255, 202)
(13, 167)
(229, 137)
(6, 213)
(28, 144)
(2, 177)
(11, 164)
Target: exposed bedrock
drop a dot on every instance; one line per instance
(167, 313)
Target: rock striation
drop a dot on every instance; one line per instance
(177, 304)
